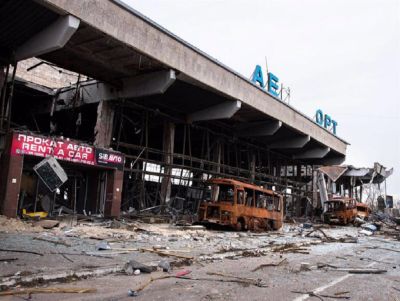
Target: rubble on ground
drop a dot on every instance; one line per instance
(134, 248)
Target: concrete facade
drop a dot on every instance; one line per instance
(112, 19)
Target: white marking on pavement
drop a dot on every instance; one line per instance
(324, 287)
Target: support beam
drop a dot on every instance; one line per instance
(53, 37)
(223, 110)
(314, 153)
(168, 149)
(253, 167)
(138, 86)
(216, 157)
(316, 204)
(336, 160)
(296, 142)
(323, 192)
(267, 128)
(104, 124)
(148, 84)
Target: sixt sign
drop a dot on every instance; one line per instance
(326, 121)
(110, 158)
(272, 81)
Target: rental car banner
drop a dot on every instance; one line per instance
(64, 149)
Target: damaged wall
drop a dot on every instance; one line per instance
(46, 74)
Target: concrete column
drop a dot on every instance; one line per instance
(253, 167)
(316, 204)
(168, 149)
(112, 204)
(2, 77)
(217, 152)
(10, 181)
(322, 189)
(104, 124)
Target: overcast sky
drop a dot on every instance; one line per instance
(342, 57)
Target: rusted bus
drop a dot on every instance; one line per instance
(363, 210)
(242, 206)
(340, 211)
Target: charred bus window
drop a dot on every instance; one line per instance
(261, 200)
(240, 197)
(222, 193)
(249, 197)
(277, 203)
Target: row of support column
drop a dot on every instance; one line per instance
(168, 149)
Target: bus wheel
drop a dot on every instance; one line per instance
(240, 225)
(277, 225)
(269, 225)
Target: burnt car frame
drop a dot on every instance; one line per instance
(340, 211)
(363, 211)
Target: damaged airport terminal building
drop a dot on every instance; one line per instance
(137, 118)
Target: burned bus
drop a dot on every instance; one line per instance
(241, 206)
(340, 210)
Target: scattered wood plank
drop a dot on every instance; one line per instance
(21, 251)
(341, 293)
(82, 254)
(289, 248)
(165, 253)
(258, 282)
(9, 259)
(54, 290)
(320, 296)
(245, 281)
(231, 276)
(270, 264)
(56, 242)
(361, 271)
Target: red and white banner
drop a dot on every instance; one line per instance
(62, 149)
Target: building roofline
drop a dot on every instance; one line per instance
(214, 60)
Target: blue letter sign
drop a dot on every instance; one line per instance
(334, 124)
(326, 121)
(319, 117)
(272, 84)
(258, 76)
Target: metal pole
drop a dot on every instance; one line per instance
(10, 96)
(3, 96)
(75, 194)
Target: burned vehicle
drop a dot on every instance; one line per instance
(340, 211)
(363, 211)
(241, 206)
